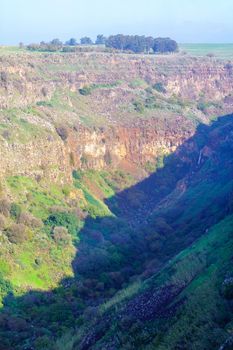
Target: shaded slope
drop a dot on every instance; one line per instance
(198, 204)
(182, 307)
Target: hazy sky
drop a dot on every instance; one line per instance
(183, 20)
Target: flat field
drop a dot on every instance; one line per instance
(224, 51)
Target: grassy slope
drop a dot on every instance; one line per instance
(41, 199)
(202, 267)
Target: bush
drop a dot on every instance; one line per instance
(227, 288)
(15, 211)
(68, 49)
(61, 235)
(5, 286)
(64, 219)
(86, 90)
(62, 132)
(202, 106)
(159, 87)
(17, 233)
(138, 106)
(229, 66)
(2, 222)
(5, 207)
(44, 342)
(76, 175)
(44, 91)
(17, 324)
(4, 77)
(29, 220)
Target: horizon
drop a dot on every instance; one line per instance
(93, 38)
(180, 20)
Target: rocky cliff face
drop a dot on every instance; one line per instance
(127, 148)
(44, 90)
(31, 77)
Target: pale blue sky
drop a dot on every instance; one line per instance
(184, 20)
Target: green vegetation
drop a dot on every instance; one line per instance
(159, 87)
(137, 44)
(87, 90)
(223, 51)
(134, 258)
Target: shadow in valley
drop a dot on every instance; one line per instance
(148, 228)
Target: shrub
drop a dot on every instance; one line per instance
(68, 49)
(5, 207)
(86, 90)
(17, 324)
(227, 288)
(4, 77)
(72, 160)
(15, 211)
(6, 134)
(202, 106)
(62, 132)
(63, 219)
(29, 220)
(2, 222)
(159, 87)
(17, 233)
(44, 342)
(44, 104)
(76, 175)
(229, 66)
(44, 91)
(5, 286)
(150, 102)
(162, 226)
(61, 235)
(138, 106)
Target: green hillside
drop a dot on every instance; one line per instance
(116, 200)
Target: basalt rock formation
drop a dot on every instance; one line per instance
(122, 123)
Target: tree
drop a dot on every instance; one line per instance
(86, 41)
(116, 41)
(138, 44)
(72, 42)
(163, 45)
(56, 42)
(149, 43)
(100, 40)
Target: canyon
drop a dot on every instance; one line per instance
(116, 201)
(44, 91)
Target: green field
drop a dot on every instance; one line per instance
(224, 51)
